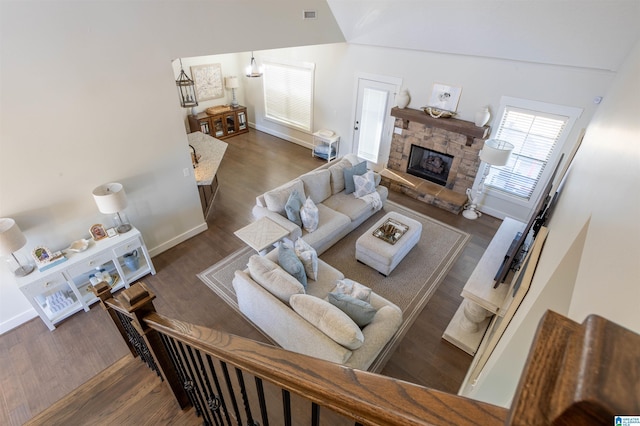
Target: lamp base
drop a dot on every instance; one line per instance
(23, 270)
(125, 227)
(471, 213)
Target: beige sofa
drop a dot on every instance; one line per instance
(327, 334)
(339, 213)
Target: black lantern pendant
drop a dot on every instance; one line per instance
(186, 89)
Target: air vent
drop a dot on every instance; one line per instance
(309, 14)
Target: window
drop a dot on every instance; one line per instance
(534, 136)
(288, 94)
(538, 132)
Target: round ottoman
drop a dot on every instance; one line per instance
(381, 255)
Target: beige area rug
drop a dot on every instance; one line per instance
(410, 285)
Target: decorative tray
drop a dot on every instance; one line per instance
(391, 231)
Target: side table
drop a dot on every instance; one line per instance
(261, 234)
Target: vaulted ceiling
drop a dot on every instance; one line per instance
(594, 34)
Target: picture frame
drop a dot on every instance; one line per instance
(41, 254)
(98, 232)
(445, 97)
(208, 81)
(111, 232)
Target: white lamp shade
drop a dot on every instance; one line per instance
(496, 152)
(11, 237)
(231, 82)
(110, 198)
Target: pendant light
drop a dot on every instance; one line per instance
(253, 70)
(186, 89)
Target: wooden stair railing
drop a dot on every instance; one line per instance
(557, 386)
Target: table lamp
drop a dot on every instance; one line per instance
(232, 83)
(495, 153)
(111, 199)
(11, 240)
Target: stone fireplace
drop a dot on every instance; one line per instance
(449, 143)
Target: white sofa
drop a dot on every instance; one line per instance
(339, 213)
(303, 330)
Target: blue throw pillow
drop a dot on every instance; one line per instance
(288, 261)
(293, 206)
(357, 170)
(359, 311)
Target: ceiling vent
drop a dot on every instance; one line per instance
(309, 14)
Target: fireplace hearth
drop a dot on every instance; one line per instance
(428, 164)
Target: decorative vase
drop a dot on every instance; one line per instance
(403, 99)
(482, 116)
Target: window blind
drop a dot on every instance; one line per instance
(288, 94)
(534, 135)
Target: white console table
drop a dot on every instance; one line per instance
(481, 301)
(69, 280)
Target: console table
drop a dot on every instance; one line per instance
(64, 289)
(481, 301)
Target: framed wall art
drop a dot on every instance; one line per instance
(208, 81)
(445, 97)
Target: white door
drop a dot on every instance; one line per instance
(373, 124)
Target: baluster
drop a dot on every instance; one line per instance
(286, 406)
(219, 389)
(315, 414)
(190, 384)
(263, 405)
(245, 398)
(213, 400)
(169, 344)
(200, 388)
(227, 378)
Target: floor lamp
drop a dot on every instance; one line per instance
(494, 153)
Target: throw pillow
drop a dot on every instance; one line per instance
(353, 288)
(359, 311)
(309, 258)
(293, 206)
(277, 197)
(288, 260)
(365, 184)
(273, 278)
(349, 173)
(337, 175)
(309, 215)
(329, 319)
(317, 185)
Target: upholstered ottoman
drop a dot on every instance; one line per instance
(381, 255)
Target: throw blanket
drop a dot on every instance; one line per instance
(373, 199)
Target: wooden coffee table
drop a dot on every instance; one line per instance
(261, 234)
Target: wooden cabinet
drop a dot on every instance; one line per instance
(225, 122)
(64, 289)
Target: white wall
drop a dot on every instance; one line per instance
(590, 262)
(89, 97)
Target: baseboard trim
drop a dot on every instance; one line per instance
(281, 135)
(154, 251)
(17, 320)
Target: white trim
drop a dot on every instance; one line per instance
(17, 320)
(177, 240)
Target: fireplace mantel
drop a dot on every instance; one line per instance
(467, 128)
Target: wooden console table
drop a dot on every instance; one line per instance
(481, 301)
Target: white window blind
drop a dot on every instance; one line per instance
(288, 94)
(535, 135)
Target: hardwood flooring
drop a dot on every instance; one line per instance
(39, 367)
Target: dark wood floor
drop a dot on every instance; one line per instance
(39, 367)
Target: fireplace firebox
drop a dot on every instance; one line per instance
(431, 165)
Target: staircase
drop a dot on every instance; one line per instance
(126, 393)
